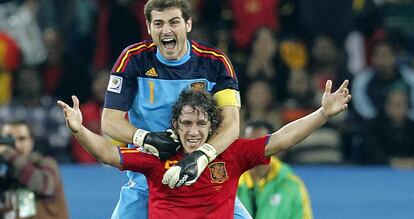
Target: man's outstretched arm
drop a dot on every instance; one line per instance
(95, 144)
(298, 130)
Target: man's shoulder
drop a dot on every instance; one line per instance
(136, 52)
(140, 47)
(204, 47)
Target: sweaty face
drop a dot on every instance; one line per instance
(22, 139)
(168, 30)
(193, 128)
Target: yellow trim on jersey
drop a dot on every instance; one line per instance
(122, 63)
(227, 62)
(307, 211)
(227, 97)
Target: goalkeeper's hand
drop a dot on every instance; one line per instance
(187, 170)
(161, 144)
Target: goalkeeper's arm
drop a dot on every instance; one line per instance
(161, 144)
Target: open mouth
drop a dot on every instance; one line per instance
(169, 43)
(193, 142)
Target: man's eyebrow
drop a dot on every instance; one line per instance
(161, 20)
(174, 18)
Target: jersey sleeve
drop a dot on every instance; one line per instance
(123, 85)
(135, 160)
(226, 76)
(120, 91)
(251, 152)
(226, 89)
(228, 97)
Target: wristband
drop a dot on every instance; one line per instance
(209, 151)
(139, 136)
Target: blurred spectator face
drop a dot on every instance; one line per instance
(53, 45)
(29, 83)
(22, 138)
(259, 95)
(299, 83)
(168, 30)
(250, 132)
(324, 51)
(264, 44)
(396, 106)
(383, 59)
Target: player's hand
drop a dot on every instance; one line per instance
(73, 116)
(161, 144)
(187, 170)
(334, 103)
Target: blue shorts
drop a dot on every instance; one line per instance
(133, 204)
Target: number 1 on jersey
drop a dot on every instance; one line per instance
(151, 91)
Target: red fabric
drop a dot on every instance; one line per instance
(249, 15)
(51, 78)
(9, 53)
(207, 198)
(102, 48)
(91, 112)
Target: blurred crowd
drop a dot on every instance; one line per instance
(282, 50)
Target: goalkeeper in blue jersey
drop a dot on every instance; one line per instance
(145, 82)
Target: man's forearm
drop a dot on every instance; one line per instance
(295, 132)
(98, 147)
(115, 125)
(228, 131)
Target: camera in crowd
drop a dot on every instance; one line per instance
(5, 182)
(8, 140)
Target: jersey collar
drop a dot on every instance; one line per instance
(181, 61)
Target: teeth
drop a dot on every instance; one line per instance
(192, 140)
(167, 40)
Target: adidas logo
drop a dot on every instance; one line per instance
(151, 72)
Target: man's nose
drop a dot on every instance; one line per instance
(166, 29)
(193, 129)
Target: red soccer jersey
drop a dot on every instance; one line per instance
(212, 196)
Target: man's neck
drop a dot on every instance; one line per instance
(179, 61)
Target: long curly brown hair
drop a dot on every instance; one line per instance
(200, 101)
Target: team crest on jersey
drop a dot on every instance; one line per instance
(115, 84)
(151, 72)
(199, 85)
(218, 172)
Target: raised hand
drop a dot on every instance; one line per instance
(73, 116)
(334, 103)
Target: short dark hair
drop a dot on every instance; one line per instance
(161, 5)
(257, 124)
(198, 100)
(17, 122)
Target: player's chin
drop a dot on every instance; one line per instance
(192, 147)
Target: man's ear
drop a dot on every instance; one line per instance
(189, 25)
(148, 27)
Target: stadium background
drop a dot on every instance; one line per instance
(282, 51)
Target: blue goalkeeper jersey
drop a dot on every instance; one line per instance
(147, 85)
